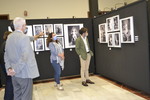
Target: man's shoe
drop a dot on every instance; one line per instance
(84, 83)
(90, 82)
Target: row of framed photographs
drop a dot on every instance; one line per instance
(69, 32)
(46, 28)
(125, 28)
(41, 45)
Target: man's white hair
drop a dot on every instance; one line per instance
(19, 22)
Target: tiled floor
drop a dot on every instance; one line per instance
(101, 90)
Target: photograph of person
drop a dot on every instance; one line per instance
(110, 24)
(71, 34)
(102, 33)
(117, 41)
(48, 28)
(110, 40)
(39, 44)
(116, 23)
(127, 30)
(37, 29)
(58, 29)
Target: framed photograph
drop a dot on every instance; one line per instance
(37, 29)
(46, 48)
(71, 34)
(39, 44)
(58, 29)
(102, 33)
(48, 28)
(116, 23)
(61, 40)
(127, 30)
(9, 29)
(110, 40)
(117, 40)
(110, 24)
(29, 33)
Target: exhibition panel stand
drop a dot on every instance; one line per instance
(72, 63)
(125, 57)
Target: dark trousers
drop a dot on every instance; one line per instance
(23, 88)
(57, 69)
(9, 95)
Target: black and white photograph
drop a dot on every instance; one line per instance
(58, 29)
(39, 44)
(29, 32)
(37, 29)
(48, 28)
(117, 40)
(110, 24)
(9, 29)
(127, 30)
(61, 41)
(71, 34)
(116, 23)
(110, 40)
(46, 48)
(102, 33)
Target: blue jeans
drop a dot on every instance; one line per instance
(9, 95)
(57, 71)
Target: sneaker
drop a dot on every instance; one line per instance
(59, 87)
(55, 85)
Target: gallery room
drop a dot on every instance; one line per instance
(74, 50)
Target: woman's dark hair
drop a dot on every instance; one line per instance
(49, 39)
(6, 35)
(83, 30)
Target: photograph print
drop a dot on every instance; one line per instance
(110, 40)
(117, 40)
(102, 33)
(127, 30)
(9, 29)
(48, 28)
(29, 32)
(116, 21)
(110, 24)
(37, 29)
(39, 44)
(71, 34)
(45, 43)
(58, 29)
(61, 41)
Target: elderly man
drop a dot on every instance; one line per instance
(20, 61)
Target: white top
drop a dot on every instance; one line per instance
(85, 43)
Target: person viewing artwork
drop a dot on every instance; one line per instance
(8, 95)
(20, 62)
(57, 58)
(83, 50)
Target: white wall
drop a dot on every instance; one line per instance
(41, 9)
(106, 5)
